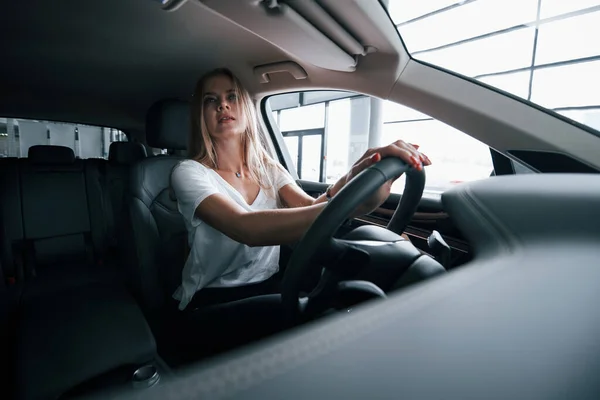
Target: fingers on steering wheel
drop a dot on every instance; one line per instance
(424, 159)
(403, 151)
(414, 148)
(365, 163)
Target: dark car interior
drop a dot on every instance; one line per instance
(495, 279)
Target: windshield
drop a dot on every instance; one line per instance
(545, 51)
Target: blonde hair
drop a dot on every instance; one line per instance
(201, 146)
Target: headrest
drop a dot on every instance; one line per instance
(41, 154)
(168, 124)
(126, 152)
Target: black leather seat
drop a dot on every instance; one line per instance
(64, 239)
(71, 319)
(159, 234)
(116, 178)
(76, 335)
(160, 237)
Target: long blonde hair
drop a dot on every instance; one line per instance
(200, 144)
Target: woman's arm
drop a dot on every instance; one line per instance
(257, 228)
(293, 196)
(286, 226)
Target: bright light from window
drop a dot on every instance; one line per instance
(553, 61)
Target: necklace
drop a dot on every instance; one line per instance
(238, 174)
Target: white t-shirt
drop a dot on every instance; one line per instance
(215, 260)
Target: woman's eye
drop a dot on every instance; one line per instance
(209, 100)
(232, 97)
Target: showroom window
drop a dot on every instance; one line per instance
(17, 135)
(545, 51)
(325, 132)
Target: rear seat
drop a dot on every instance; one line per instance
(74, 320)
(64, 235)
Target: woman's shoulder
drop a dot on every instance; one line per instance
(190, 165)
(272, 166)
(189, 168)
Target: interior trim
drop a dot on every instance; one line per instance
(280, 25)
(418, 233)
(295, 70)
(423, 216)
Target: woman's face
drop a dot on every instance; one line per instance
(221, 108)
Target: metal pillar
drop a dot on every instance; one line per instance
(376, 116)
(10, 139)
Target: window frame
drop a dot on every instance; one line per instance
(277, 139)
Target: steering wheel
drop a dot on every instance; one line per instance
(319, 240)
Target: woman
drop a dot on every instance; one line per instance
(238, 203)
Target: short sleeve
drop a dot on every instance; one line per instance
(191, 185)
(281, 177)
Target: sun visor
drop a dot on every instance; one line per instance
(301, 28)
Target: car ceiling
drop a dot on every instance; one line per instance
(106, 62)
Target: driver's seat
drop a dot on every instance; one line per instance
(158, 251)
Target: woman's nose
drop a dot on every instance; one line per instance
(223, 104)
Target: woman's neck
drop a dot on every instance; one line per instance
(230, 155)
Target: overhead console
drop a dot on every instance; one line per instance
(302, 28)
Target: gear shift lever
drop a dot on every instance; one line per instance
(439, 248)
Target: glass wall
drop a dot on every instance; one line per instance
(325, 138)
(545, 51)
(18, 135)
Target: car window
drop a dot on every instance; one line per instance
(18, 135)
(545, 51)
(325, 132)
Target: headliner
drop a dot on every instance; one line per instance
(105, 62)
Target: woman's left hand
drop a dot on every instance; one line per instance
(407, 152)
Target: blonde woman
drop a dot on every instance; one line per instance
(239, 204)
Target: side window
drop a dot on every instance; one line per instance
(326, 132)
(18, 135)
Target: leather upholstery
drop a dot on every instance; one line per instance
(126, 153)
(168, 125)
(116, 175)
(159, 232)
(41, 154)
(74, 318)
(78, 334)
(12, 215)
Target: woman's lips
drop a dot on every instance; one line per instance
(226, 120)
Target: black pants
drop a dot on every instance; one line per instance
(212, 296)
(220, 319)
